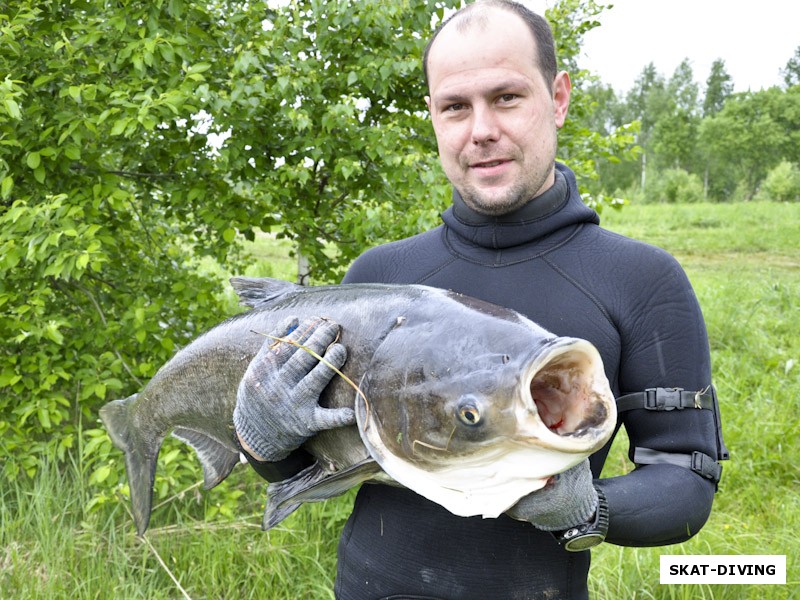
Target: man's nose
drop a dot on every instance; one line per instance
(485, 125)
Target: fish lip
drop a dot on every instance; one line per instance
(566, 382)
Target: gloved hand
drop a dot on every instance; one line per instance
(277, 401)
(569, 501)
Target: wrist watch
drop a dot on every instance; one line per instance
(589, 534)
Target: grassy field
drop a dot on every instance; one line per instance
(744, 261)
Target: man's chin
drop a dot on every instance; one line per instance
(494, 203)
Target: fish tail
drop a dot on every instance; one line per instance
(140, 458)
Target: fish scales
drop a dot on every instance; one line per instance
(469, 404)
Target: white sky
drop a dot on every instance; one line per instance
(755, 39)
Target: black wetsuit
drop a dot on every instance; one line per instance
(552, 262)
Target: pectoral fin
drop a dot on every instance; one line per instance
(313, 484)
(217, 459)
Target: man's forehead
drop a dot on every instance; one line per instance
(494, 38)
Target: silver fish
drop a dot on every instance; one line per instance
(467, 403)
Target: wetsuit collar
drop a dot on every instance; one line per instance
(557, 207)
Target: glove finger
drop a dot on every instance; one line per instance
(285, 327)
(308, 328)
(303, 361)
(328, 418)
(272, 353)
(319, 376)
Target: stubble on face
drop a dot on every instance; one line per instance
(509, 199)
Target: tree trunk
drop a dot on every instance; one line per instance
(303, 271)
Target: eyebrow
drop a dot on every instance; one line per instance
(504, 86)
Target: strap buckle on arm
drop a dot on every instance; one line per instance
(698, 462)
(666, 399)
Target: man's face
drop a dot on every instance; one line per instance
(494, 115)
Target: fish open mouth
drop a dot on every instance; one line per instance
(571, 394)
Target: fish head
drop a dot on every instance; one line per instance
(477, 417)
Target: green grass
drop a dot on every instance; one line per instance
(744, 261)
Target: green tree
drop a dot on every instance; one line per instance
(719, 86)
(647, 100)
(587, 141)
(746, 136)
(674, 135)
(609, 116)
(676, 186)
(782, 184)
(99, 280)
(791, 72)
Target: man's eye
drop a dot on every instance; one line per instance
(455, 107)
(508, 97)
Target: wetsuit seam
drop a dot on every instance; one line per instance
(435, 271)
(453, 258)
(588, 294)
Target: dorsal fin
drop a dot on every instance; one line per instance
(260, 291)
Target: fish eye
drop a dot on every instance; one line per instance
(469, 414)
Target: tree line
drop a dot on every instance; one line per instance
(702, 144)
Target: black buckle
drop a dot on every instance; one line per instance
(662, 398)
(706, 467)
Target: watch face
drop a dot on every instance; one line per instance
(584, 542)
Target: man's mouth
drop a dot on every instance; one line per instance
(488, 164)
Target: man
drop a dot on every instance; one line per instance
(519, 235)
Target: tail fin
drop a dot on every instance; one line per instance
(140, 457)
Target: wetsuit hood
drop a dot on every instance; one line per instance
(558, 207)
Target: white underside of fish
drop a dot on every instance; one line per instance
(486, 486)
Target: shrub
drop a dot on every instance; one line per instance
(782, 184)
(675, 186)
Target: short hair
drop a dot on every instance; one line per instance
(537, 24)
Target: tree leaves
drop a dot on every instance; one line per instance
(95, 142)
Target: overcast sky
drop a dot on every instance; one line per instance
(755, 39)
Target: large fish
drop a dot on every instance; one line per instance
(467, 403)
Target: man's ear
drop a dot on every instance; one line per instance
(562, 87)
(428, 102)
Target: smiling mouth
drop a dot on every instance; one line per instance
(489, 164)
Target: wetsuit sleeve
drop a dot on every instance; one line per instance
(664, 344)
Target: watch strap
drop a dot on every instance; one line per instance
(589, 534)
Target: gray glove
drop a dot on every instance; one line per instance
(569, 501)
(277, 401)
